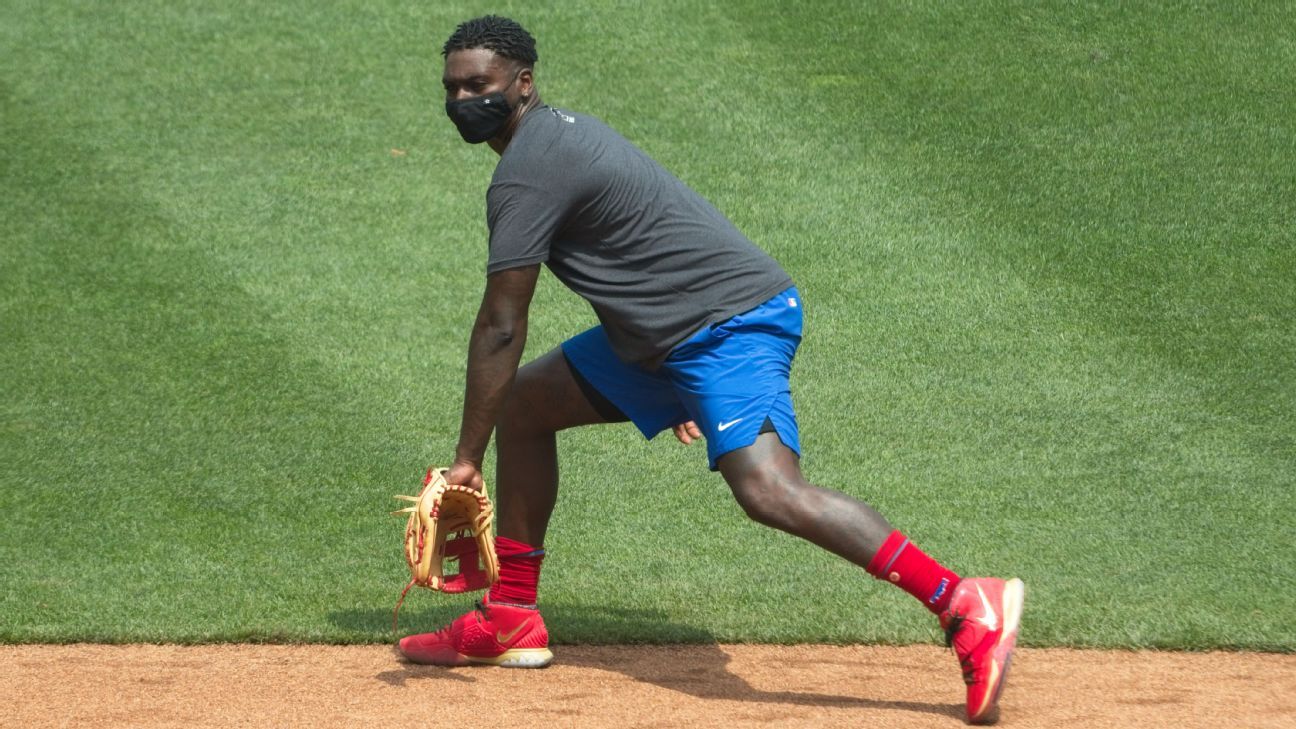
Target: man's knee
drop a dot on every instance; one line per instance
(544, 399)
(766, 495)
(524, 409)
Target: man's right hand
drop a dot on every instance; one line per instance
(466, 473)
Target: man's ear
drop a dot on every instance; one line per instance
(526, 83)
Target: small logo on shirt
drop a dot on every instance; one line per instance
(725, 426)
(564, 117)
(792, 303)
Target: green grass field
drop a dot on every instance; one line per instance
(1046, 251)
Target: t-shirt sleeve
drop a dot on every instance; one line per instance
(523, 217)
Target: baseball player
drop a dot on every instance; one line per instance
(698, 329)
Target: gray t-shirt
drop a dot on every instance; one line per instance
(655, 260)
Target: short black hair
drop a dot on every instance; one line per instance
(492, 32)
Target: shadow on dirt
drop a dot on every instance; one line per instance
(700, 670)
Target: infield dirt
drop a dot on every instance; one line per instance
(630, 686)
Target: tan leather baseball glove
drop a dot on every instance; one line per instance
(448, 523)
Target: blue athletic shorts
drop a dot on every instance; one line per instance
(729, 378)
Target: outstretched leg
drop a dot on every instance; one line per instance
(981, 616)
(767, 482)
(766, 479)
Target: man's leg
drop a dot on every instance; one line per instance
(767, 482)
(766, 479)
(547, 396)
(545, 399)
(980, 615)
(507, 629)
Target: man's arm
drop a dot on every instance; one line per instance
(494, 350)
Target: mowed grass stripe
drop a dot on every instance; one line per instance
(177, 399)
(166, 442)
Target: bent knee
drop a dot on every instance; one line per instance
(535, 403)
(767, 497)
(522, 414)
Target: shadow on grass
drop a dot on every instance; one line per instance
(701, 669)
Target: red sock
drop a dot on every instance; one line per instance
(902, 563)
(519, 577)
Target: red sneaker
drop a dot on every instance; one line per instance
(494, 634)
(981, 625)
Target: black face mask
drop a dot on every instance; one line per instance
(481, 117)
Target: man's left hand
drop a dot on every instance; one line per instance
(687, 432)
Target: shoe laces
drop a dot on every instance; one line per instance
(956, 621)
(482, 608)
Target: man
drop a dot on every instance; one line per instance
(698, 331)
